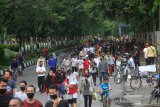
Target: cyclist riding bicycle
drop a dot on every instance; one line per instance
(104, 88)
(20, 60)
(14, 67)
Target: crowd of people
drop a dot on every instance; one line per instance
(76, 74)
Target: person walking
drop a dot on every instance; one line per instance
(15, 102)
(31, 101)
(71, 83)
(136, 56)
(41, 59)
(50, 79)
(86, 87)
(66, 63)
(60, 78)
(111, 62)
(86, 63)
(40, 70)
(103, 69)
(11, 83)
(151, 54)
(52, 62)
(74, 63)
(93, 70)
(80, 66)
(145, 53)
(4, 97)
(22, 93)
(55, 101)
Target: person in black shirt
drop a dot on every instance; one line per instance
(55, 100)
(136, 56)
(14, 65)
(4, 97)
(14, 69)
(60, 76)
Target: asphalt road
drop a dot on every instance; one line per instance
(31, 78)
(116, 93)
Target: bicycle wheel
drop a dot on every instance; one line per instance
(135, 83)
(151, 98)
(20, 70)
(118, 77)
(106, 102)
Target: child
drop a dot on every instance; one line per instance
(104, 88)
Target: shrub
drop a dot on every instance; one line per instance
(13, 47)
(1, 51)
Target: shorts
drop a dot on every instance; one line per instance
(72, 98)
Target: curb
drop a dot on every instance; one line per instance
(30, 63)
(26, 65)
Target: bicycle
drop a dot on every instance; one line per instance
(20, 70)
(14, 74)
(106, 100)
(122, 71)
(136, 81)
(154, 94)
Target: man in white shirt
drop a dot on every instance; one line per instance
(97, 60)
(66, 64)
(43, 61)
(145, 53)
(40, 70)
(92, 49)
(74, 64)
(22, 94)
(80, 65)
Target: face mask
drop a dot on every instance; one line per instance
(3, 91)
(86, 75)
(22, 88)
(53, 96)
(30, 95)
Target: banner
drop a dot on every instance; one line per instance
(148, 68)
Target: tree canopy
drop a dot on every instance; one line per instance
(73, 18)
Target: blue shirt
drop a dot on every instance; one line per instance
(105, 87)
(52, 62)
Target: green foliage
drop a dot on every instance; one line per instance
(9, 54)
(59, 18)
(1, 51)
(45, 18)
(138, 14)
(12, 47)
(156, 4)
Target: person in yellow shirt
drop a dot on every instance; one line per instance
(151, 54)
